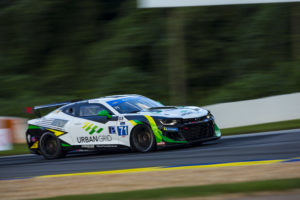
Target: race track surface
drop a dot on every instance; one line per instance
(261, 146)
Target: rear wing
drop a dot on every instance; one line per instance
(36, 109)
(54, 105)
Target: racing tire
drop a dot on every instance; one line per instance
(142, 139)
(50, 146)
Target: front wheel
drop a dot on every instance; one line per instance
(142, 139)
(50, 146)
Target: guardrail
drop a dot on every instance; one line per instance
(257, 111)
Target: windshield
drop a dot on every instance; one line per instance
(133, 104)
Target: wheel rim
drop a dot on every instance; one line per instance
(50, 146)
(143, 139)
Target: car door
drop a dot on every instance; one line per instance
(92, 129)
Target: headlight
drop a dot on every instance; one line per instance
(168, 121)
(209, 115)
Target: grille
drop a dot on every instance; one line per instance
(193, 120)
(173, 136)
(193, 132)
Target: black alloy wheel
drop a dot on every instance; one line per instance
(142, 139)
(50, 146)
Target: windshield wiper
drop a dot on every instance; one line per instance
(135, 111)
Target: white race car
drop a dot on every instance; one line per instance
(132, 121)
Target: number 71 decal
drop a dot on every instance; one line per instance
(122, 130)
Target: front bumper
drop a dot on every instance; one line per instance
(191, 132)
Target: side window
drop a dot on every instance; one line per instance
(90, 110)
(69, 110)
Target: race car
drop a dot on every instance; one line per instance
(132, 121)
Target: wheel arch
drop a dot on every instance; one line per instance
(36, 132)
(44, 149)
(132, 146)
(149, 121)
(33, 136)
(134, 128)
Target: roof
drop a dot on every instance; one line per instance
(115, 97)
(95, 100)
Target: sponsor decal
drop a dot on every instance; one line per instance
(106, 145)
(186, 113)
(122, 123)
(121, 118)
(88, 146)
(112, 129)
(155, 111)
(161, 143)
(91, 128)
(172, 129)
(100, 138)
(33, 139)
(122, 130)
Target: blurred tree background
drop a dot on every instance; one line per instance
(52, 50)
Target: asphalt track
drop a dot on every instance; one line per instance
(275, 145)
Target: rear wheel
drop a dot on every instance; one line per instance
(50, 146)
(142, 139)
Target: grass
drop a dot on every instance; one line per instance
(22, 148)
(193, 191)
(17, 149)
(291, 124)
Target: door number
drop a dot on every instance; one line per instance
(122, 130)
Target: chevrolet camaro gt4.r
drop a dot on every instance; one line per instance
(132, 121)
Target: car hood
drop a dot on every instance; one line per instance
(176, 112)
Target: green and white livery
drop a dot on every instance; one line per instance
(132, 121)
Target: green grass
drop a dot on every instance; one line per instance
(17, 149)
(193, 191)
(291, 124)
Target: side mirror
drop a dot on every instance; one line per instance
(104, 113)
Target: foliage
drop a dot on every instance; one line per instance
(60, 50)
